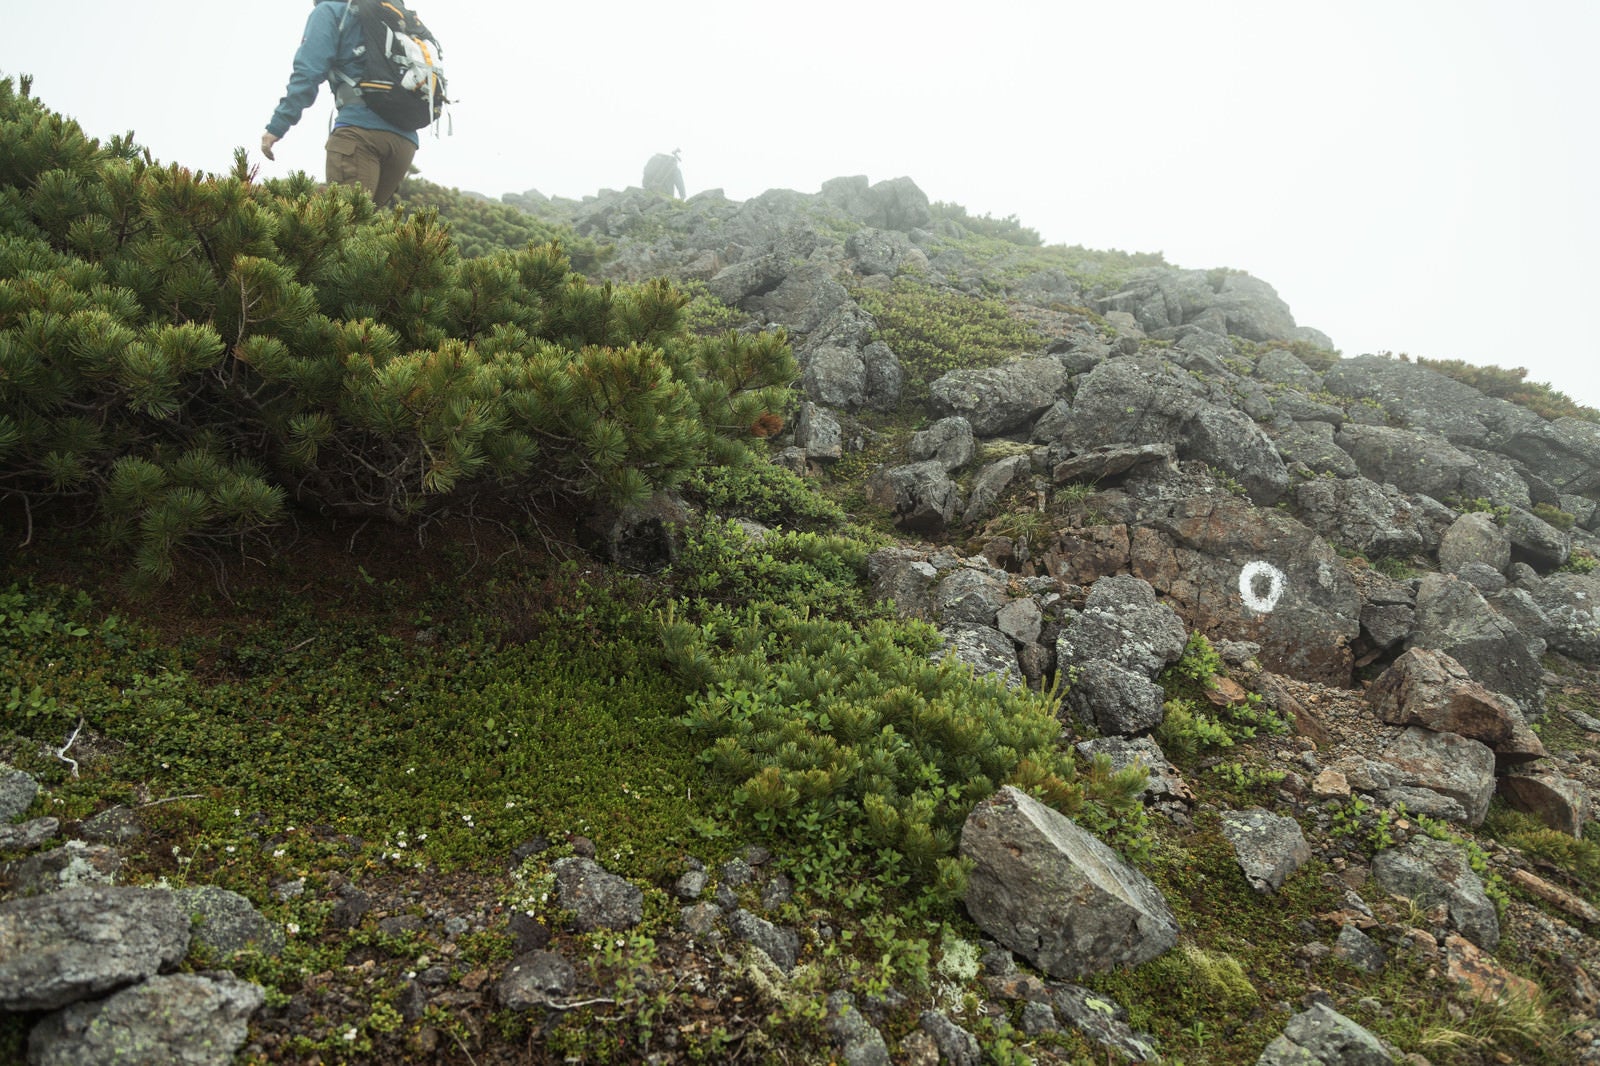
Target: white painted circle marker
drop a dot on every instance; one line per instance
(1261, 585)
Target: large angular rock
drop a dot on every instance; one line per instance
(1116, 701)
(1536, 542)
(1430, 689)
(1450, 765)
(1001, 399)
(1412, 462)
(1051, 892)
(1453, 617)
(181, 1020)
(1557, 801)
(1571, 607)
(1123, 623)
(991, 484)
(1375, 520)
(534, 979)
(1474, 538)
(1430, 872)
(17, 790)
(920, 497)
(988, 651)
(1322, 1036)
(1144, 400)
(949, 441)
(59, 948)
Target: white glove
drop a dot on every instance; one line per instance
(267, 141)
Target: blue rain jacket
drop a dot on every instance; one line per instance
(323, 49)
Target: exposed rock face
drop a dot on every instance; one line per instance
(1000, 399)
(1115, 700)
(1057, 896)
(1474, 538)
(1140, 401)
(1552, 799)
(1375, 520)
(1450, 765)
(1194, 550)
(225, 923)
(949, 441)
(62, 947)
(184, 1020)
(1428, 688)
(1430, 872)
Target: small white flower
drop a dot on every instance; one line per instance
(350, 1034)
(293, 928)
(174, 849)
(166, 766)
(290, 829)
(236, 812)
(278, 854)
(411, 769)
(509, 805)
(230, 849)
(422, 836)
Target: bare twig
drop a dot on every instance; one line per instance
(463, 1046)
(578, 1004)
(61, 753)
(169, 799)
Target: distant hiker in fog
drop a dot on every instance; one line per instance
(365, 148)
(662, 174)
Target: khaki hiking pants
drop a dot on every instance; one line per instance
(376, 160)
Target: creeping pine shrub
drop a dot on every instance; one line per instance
(862, 751)
(763, 492)
(1191, 726)
(722, 562)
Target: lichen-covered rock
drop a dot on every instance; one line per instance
(1054, 894)
(58, 948)
(180, 1020)
(1429, 872)
(1322, 1036)
(1428, 688)
(597, 898)
(1269, 847)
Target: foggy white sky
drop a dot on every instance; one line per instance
(1412, 175)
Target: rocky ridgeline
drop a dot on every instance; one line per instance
(1209, 486)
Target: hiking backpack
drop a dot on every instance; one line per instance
(400, 76)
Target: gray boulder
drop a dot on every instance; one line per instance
(28, 835)
(62, 947)
(1285, 368)
(1322, 1036)
(1474, 538)
(1051, 892)
(1453, 617)
(905, 578)
(1103, 1021)
(17, 790)
(1430, 872)
(1112, 461)
(534, 979)
(597, 898)
(1123, 623)
(1536, 542)
(920, 497)
(1269, 847)
(1412, 462)
(1570, 604)
(1163, 781)
(858, 1041)
(1144, 400)
(818, 433)
(897, 204)
(1425, 399)
(968, 595)
(225, 923)
(956, 1046)
(74, 863)
(781, 945)
(1000, 399)
(181, 1020)
(1557, 801)
(1116, 701)
(988, 651)
(1313, 444)
(877, 251)
(1451, 765)
(991, 484)
(950, 442)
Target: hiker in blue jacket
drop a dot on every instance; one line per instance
(363, 149)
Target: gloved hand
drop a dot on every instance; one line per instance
(267, 141)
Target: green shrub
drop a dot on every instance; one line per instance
(765, 493)
(935, 331)
(1191, 726)
(863, 752)
(1562, 520)
(1513, 385)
